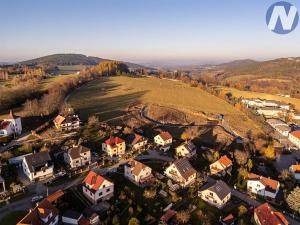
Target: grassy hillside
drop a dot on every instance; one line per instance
(109, 98)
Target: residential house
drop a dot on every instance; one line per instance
(221, 167)
(136, 141)
(272, 112)
(217, 194)
(72, 217)
(280, 126)
(187, 149)
(43, 214)
(68, 122)
(38, 166)
(91, 216)
(114, 146)
(164, 140)
(77, 156)
(262, 186)
(295, 170)
(182, 172)
(265, 215)
(228, 220)
(97, 188)
(138, 172)
(294, 137)
(10, 126)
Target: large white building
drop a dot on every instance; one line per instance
(262, 186)
(38, 166)
(217, 194)
(294, 137)
(97, 188)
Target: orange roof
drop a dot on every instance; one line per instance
(296, 134)
(59, 119)
(113, 141)
(296, 168)
(270, 183)
(267, 216)
(137, 166)
(224, 160)
(165, 136)
(56, 195)
(94, 180)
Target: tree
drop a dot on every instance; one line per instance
(269, 152)
(293, 200)
(116, 220)
(134, 221)
(285, 175)
(93, 121)
(183, 216)
(241, 157)
(184, 136)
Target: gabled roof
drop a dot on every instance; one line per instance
(37, 159)
(11, 115)
(296, 134)
(165, 135)
(220, 188)
(225, 161)
(75, 152)
(295, 168)
(270, 184)
(184, 168)
(4, 124)
(93, 181)
(41, 211)
(136, 167)
(267, 216)
(134, 139)
(189, 146)
(56, 195)
(59, 120)
(228, 219)
(112, 141)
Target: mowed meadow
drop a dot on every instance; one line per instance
(109, 98)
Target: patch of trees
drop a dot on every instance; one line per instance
(108, 68)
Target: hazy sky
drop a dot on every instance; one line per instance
(143, 30)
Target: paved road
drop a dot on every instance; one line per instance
(21, 139)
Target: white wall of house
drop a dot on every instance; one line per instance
(172, 173)
(257, 188)
(146, 172)
(68, 220)
(48, 172)
(158, 140)
(213, 199)
(104, 192)
(294, 140)
(84, 159)
(140, 144)
(182, 151)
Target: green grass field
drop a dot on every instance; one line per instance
(109, 97)
(249, 94)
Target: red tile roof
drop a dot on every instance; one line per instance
(269, 183)
(136, 166)
(224, 160)
(296, 134)
(114, 141)
(56, 195)
(267, 216)
(94, 180)
(165, 136)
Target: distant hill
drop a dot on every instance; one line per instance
(235, 63)
(72, 59)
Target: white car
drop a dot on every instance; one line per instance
(37, 198)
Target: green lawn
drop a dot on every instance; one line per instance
(13, 217)
(109, 98)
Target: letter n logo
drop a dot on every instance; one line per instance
(282, 17)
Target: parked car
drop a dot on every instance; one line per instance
(37, 198)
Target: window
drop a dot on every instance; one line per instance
(108, 190)
(100, 193)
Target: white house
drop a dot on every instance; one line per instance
(114, 146)
(77, 156)
(186, 150)
(12, 125)
(262, 186)
(164, 139)
(182, 172)
(97, 188)
(272, 112)
(217, 194)
(72, 217)
(294, 137)
(265, 215)
(136, 141)
(38, 166)
(280, 126)
(295, 170)
(138, 172)
(221, 167)
(68, 122)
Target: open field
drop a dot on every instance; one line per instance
(249, 94)
(109, 98)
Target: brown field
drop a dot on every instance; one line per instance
(109, 98)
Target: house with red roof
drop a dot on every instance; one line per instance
(138, 172)
(295, 170)
(10, 126)
(114, 146)
(265, 215)
(262, 186)
(294, 137)
(164, 140)
(221, 167)
(136, 141)
(97, 188)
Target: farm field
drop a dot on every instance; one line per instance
(249, 94)
(109, 98)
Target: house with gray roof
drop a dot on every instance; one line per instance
(77, 156)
